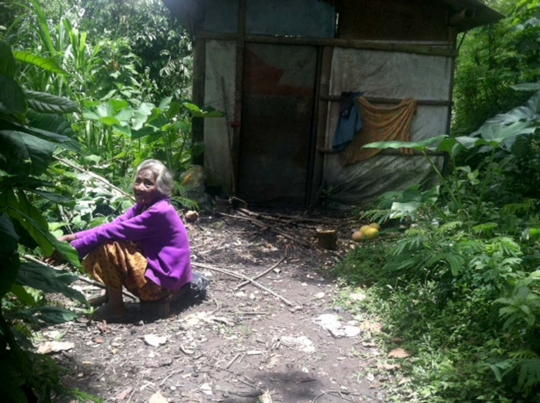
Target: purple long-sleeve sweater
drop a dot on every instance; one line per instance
(160, 232)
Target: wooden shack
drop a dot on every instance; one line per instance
(277, 69)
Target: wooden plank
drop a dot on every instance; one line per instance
(198, 91)
(390, 152)
(314, 157)
(385, 46)
(394, 101)
(240, 45)
(322, 115)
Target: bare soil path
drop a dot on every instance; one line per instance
(239, 345)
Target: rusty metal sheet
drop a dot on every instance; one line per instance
(277, 110)
(418, 20)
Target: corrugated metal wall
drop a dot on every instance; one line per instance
(387, 75)
(279, 85)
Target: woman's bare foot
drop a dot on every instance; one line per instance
(110, 312)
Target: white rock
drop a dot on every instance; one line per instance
(154, 340)
(301, 343)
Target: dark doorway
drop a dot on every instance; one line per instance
(277, 112)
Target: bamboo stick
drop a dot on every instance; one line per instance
(241, 276)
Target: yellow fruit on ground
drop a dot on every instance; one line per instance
(375, 225)
(357, 236)
(363, 228)
(371, 233)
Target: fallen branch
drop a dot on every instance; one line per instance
(278, 231)
(231, 362)
(285, 218)
(265, 272)
(95, 176)
(224, 271)
(241, 276)
(83, 279)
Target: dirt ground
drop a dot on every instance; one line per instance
(239, 345)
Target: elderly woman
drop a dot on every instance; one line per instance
(145, 250)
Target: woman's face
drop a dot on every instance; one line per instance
(145, 188)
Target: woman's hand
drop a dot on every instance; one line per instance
(67, 238)
(56, 258)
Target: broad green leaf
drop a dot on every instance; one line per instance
(126, 130)
(54, 197)
(7, 61)
(400, 209)
(91, 104)
(47, 103)
(496, 134)
(40, 232)
(105, 109)
(124, 116)
(470, 142)
(51, 123)
(24, 154)
(528, 112)
(140, 116)
(57, 139)
(68, 252)
(197, 112)
(526, 87)
(496, 372)
(91, 115)
(8, 236)
(145, 131)
(22, 210)
(41, 62)
(173, 110)
(447, 144)
(12, 98)
(165, 102)
(91, 159)
(49, 280)
(416, 145)
(455, 261)
(24, 296)
(47, 314)
(109, 121)
(118, 104)
(8, 272)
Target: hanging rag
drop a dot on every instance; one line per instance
(349, 122)
(380, 124)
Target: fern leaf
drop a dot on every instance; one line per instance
(455, 262)
(450, 227)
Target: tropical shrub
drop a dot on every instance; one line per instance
(492, 59)
(32, 128)
(457, 277)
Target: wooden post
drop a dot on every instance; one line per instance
(240, 43)
(199, 72)
(322, 115)
(313, 155)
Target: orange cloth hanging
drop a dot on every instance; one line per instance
(380, 124)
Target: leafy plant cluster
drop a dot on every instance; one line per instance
(457, 275)
(83, 99)
(32, 128)
(492, 59)
(126, 110)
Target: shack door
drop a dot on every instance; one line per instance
(277, 110)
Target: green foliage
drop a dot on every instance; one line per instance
(28, 139)
(494, 58)
(461, 283)
(163, 46)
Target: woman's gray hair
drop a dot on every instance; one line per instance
(164, 178)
